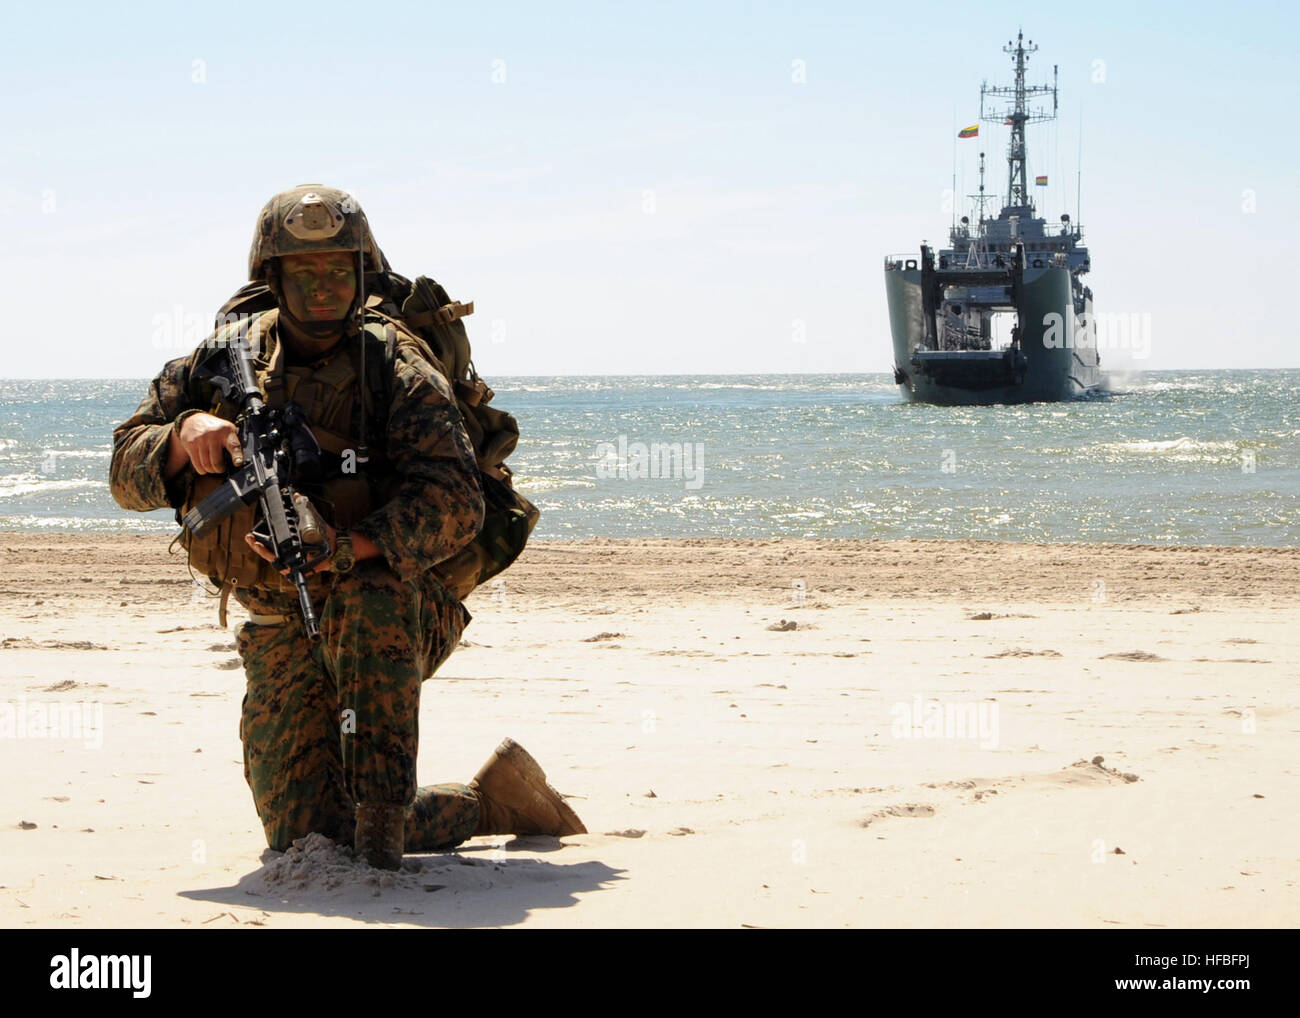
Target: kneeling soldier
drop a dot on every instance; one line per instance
(330, 727)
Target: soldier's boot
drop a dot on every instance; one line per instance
(514, 797)
(381, 834)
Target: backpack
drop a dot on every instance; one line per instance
(426, 312)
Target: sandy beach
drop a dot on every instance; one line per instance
(756, 733)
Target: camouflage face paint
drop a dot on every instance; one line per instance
(318, 287)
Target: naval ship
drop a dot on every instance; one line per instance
(1001, 315)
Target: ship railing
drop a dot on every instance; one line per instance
(911, 260)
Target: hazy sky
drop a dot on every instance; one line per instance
(650, 189)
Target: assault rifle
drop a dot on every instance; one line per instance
(278, 445)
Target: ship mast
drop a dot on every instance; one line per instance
(1017, 116)
(980, 199)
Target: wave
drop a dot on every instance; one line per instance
(1150, 387)
(77, 453)
(19, 485)
(1183, 449)
(737, 385)
(100, 525)
(533, 485)
(42, 452)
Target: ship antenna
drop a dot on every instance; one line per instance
(1018, 115)
(980, 198)
(953, 226)
(1078, 198)
(1056, 136)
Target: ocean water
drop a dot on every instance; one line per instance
(1186, 457)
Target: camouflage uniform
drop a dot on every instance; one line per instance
(327, 726)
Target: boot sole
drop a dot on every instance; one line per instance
(382, 849)
(523, 762)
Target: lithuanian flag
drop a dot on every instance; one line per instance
(969, 132)
(1040, 181)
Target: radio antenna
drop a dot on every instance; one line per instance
(363, 453)
(954, 169)
(1078, 196)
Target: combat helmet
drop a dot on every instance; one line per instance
(307, 219)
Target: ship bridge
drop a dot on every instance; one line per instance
(991, 242)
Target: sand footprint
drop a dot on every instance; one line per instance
(908, 809)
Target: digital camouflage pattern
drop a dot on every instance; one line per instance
(330, 725)
(387, 626)
(436, 503)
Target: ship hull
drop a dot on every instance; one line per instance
(1051, 365)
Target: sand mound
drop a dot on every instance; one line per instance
(316, 863)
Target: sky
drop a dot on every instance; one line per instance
(661, 189)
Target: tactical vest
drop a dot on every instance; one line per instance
(329, 394)
(421, 316)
